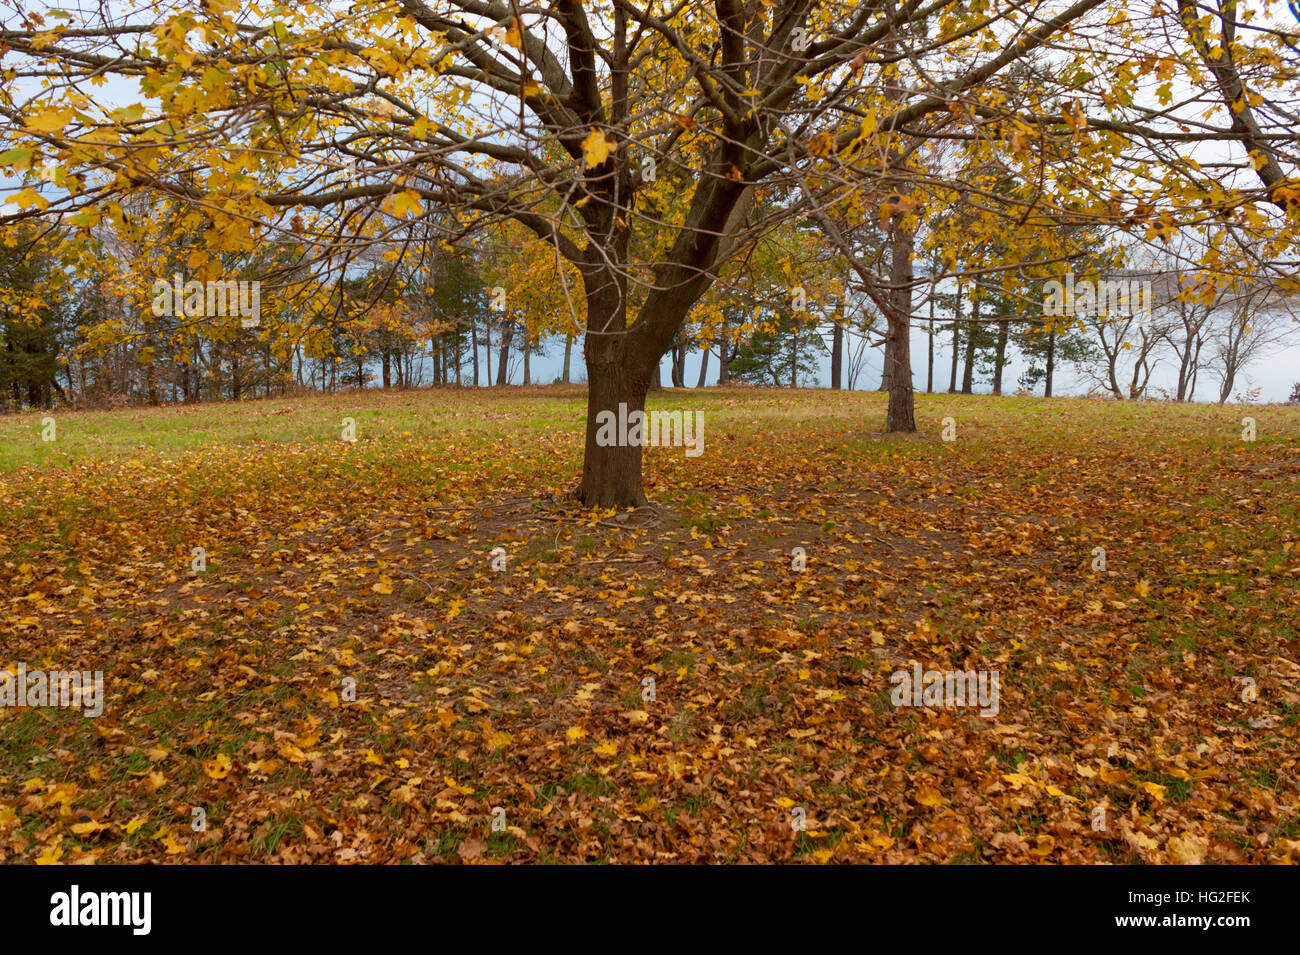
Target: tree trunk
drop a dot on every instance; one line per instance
(724, 356)
(956, 341)
(704, 366)
(902, 416)
(837, 355)
(968, 373)
(473, 345)
(929, 358)
(617, 375)
(503, 355)
(1051, 361)
(887, 365)
(1000, 356)
(794, 357)
(679, 364)
(568, 351)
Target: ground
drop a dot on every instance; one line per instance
(351, 679)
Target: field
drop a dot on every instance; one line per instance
(354, 676)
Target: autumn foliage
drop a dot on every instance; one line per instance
(349, 679)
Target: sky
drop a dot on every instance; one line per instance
(1275, 374)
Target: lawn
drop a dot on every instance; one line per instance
(413, 648)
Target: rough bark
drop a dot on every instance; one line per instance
(901, 416)
(837, 355)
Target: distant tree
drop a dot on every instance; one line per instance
(30, 324)
(784, 351)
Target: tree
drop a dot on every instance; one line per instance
(1256, 318)
(784, 351)
(30, 324)
(343, 129)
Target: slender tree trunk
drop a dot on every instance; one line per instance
(1196, 367)
(473, 347)
(568, 351)
(503, 355)
(956, 341)
(968, 373)
(837, 355)
(1000, 356)
(901, 416)
(704, 366)
(678, 364)
(1051, 362)
(528, 351)
(794, 356)
(887, 365)
(725, 354)
(929, 358)
(1111, 361)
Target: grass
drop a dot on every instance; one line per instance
(522, 689)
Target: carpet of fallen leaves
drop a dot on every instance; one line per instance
(351, 680)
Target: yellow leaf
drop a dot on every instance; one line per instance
(385, 586)
(606, 749)
(1018, 779)
(1156, 790)
(596, 148)
(513, 36)
(50, 120)
(50, 856)
(929, 796)
(402, 203)
(30, 197)
(173, 847)
(575, 732)
(218, 767)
